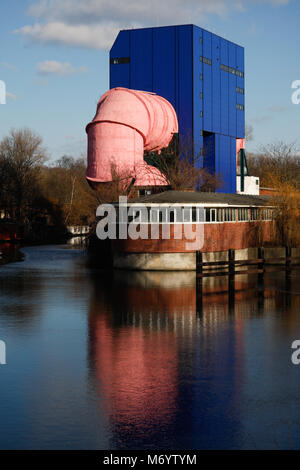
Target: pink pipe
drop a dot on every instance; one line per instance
(126, 123)
(240, 144)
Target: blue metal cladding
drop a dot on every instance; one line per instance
(198, 97)
(185, 89)
(225, 162)
(240, 117)
(120, 73)
(209, 152)
(199, 73)
(164, 63)
(141, 64)
(232, 90)
(224, 88)
(216, 85)
(207, 83)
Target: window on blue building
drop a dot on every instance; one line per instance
(119, 60)
(205, 60)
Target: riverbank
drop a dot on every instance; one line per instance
(10, 252)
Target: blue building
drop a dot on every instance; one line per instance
(202, 75)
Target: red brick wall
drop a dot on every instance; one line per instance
(217, 237)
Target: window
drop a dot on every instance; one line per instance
(254, 214)
(139, 215)
(172, 216)
(240, 90)
(201, 95)
(212, 215)
(226, 68)
(201, 76)
(220, 215)
(240, 107)
(187, 214)
(243, 214)
(207, 215)
(198, 214)
(205, 60)
(201, 113)
(158, 215)
(144, 192)
(201, 40)
(201, 133)
(229, 214)
(266, 214)
(194, 214)
(154, 216)
(120, 60)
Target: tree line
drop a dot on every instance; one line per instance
(278, 167)
(36, 193)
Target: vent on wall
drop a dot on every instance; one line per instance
(119, 60)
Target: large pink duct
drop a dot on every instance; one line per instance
(126, 123)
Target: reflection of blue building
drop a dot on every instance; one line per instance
(201, 74)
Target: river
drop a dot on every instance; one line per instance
(133, 360)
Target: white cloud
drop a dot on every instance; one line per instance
(8, 66)
(81, 35)
(95, 23)
(52, 67)
(11, 95)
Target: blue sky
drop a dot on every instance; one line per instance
(54, 60)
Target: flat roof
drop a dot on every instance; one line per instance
(182, 24)
(189, 197)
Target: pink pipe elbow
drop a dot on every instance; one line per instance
(126, 123)
(240, 144)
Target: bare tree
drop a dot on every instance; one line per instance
(276, 162)
(120, 184)
(22, 155)
(64, 184)
(278, 166)
(183, 169)
(248, 133)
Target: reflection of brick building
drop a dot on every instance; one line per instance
(142, 331)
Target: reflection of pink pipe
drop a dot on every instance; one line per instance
(126, 123)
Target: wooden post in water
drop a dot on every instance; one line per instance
(261, 255)
(199, 281)
(288, 255)
(231, 287)
(199, 296)
(288, 278)
(199, 260)
(261, 280)
(231, 259)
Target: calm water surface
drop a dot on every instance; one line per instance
(123, 360)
